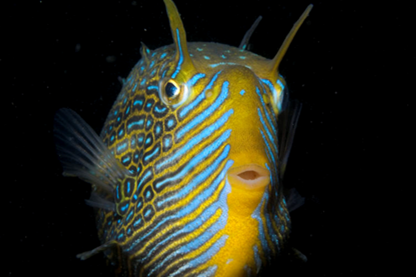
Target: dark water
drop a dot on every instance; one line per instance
(352, 67)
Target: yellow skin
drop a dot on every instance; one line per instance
(248, 147)
(243, 200)
(245, 138)
(241, 227)
(152, 214)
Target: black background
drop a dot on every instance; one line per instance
(351, 65)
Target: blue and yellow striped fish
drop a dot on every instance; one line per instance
(185, 174)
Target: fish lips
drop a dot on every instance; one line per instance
(249, 177)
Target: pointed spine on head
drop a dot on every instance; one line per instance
(278, 93)
(184, 65)
(145, 53)
(282, 51)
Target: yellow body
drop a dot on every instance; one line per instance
(186, 181)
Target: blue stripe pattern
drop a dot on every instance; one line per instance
(200, 178)
(203, 154)
(210, 232)
(207, 112)
(272, 123)
(207, 213)
(184, 111)
(162, 137)
(178, 67)
(178, 154)
(262, 235)
(178, 158)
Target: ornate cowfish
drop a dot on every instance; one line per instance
(185, 174)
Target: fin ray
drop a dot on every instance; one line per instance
(247, 36)
(98, 202)
(294, 200)
(287, 122)
(83, 154)
(99, 249)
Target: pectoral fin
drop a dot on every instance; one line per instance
(84, 155)
(287, 122)
(99, 249)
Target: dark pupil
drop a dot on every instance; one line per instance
(170, 89)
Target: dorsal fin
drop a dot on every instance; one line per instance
(282, 51)
(246, 38)
(182, 57)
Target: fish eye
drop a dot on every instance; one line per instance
(171, 89)
(172, 93)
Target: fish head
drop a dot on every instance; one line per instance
(185, 176)
(227, 139)
(216, 174)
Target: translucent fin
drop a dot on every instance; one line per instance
(121, 80)
(99, 249)
(294, 200)
(299, 255)
(98, 202)
(83, 154)
(287, 122)
(247, 36)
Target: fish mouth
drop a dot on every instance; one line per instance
(249, 177)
